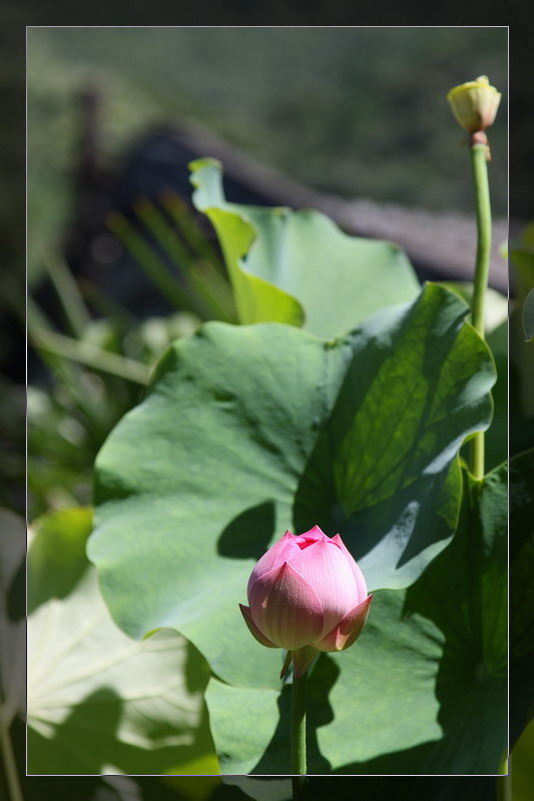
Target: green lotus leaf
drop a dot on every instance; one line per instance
(97, 701)
(298, 267)
(247, 431)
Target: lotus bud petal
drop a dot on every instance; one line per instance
(347, 630)
(254, 630)
(475, 104)
(306, 594)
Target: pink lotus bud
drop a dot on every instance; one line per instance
(307, 593)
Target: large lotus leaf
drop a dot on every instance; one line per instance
(249, 430)
(298, 267)
(98, 702)
(423, 691)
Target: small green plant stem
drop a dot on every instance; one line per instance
(149, 261)
(298, 735)
(72, 303)
(90, 355)
(483, 216)
(204, 301)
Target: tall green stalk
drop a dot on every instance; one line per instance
(483, 216)
(298, 735)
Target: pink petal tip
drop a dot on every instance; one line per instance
(347, 630)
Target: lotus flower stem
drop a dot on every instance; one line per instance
(475, 104)
(483, 214)
(298, 734)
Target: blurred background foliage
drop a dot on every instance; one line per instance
(355, 112)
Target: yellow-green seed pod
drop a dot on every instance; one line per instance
(475, 104)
